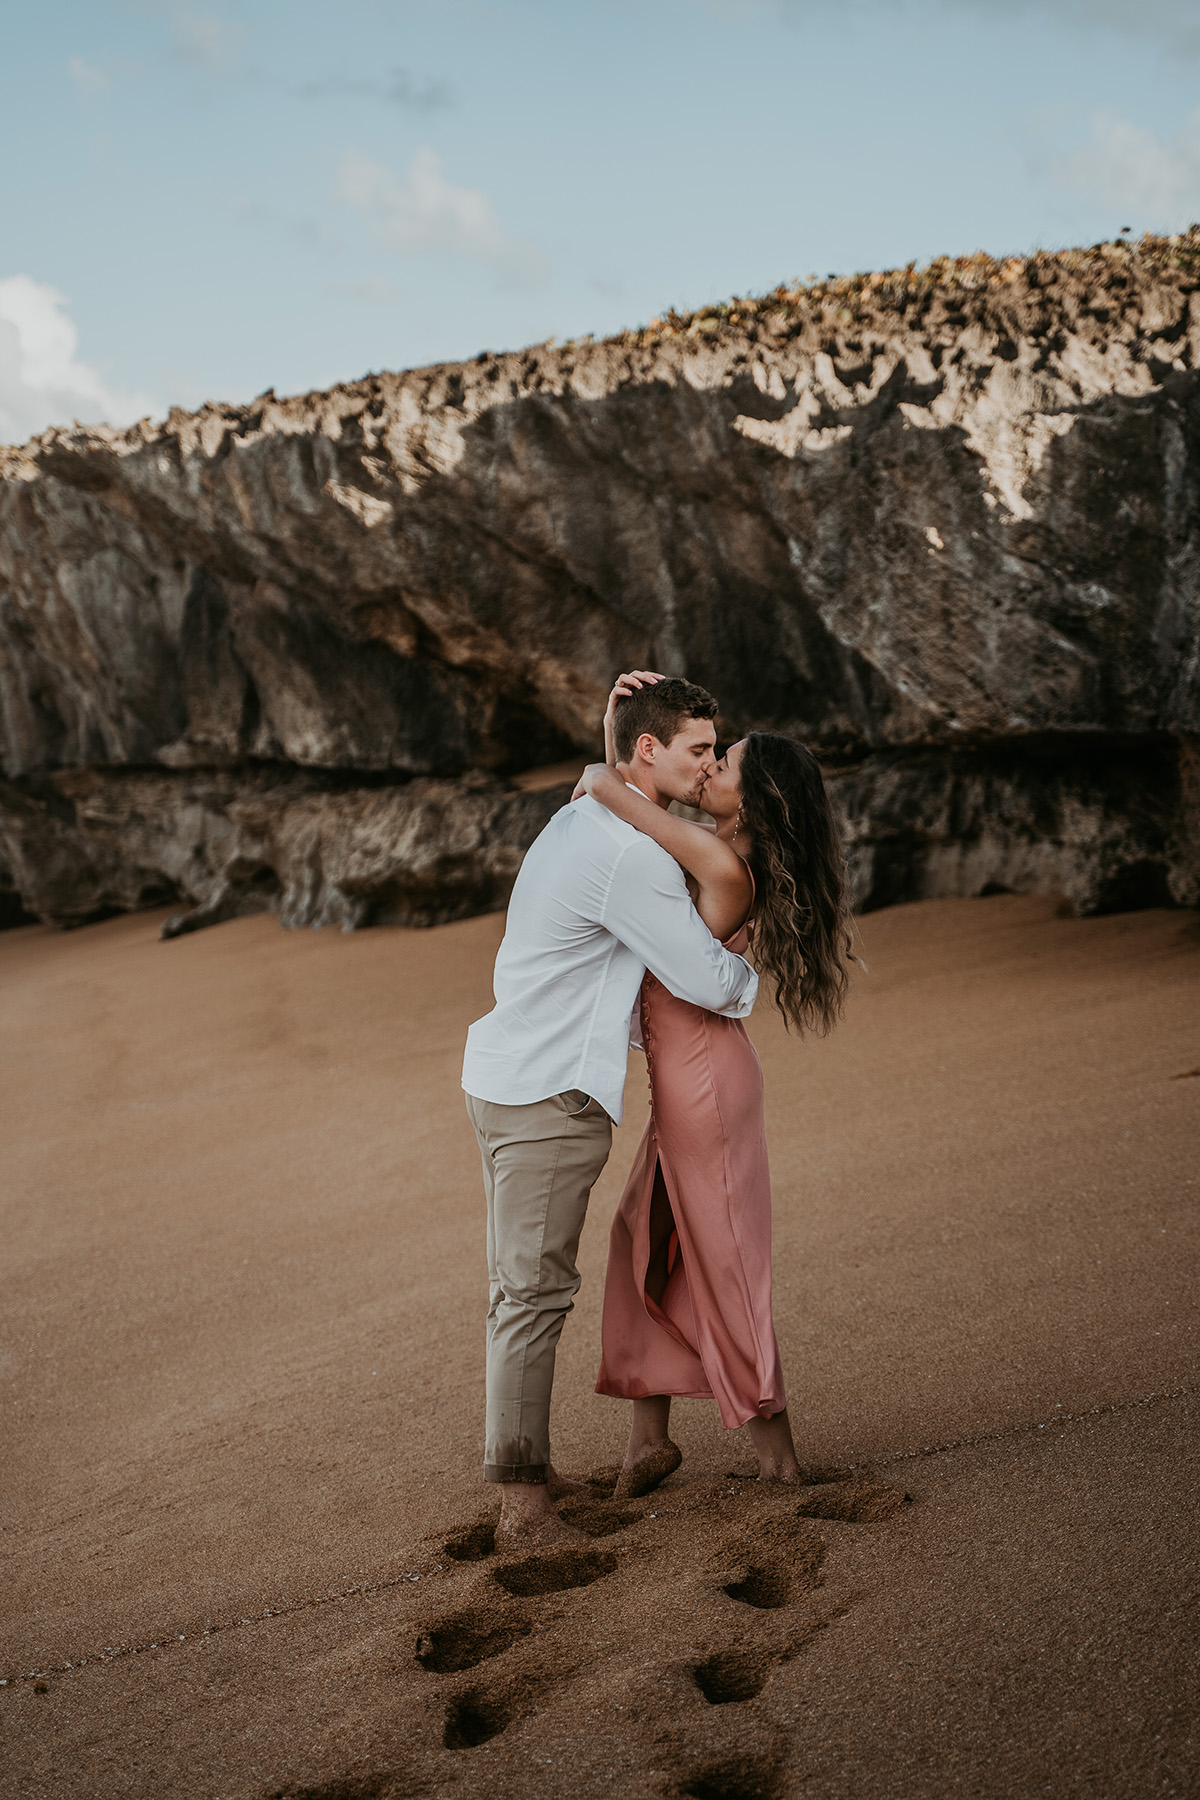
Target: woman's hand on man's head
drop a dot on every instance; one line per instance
(628, 684)
(591, 775)
(635, 679)
(623, 687)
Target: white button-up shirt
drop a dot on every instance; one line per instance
(595, 905)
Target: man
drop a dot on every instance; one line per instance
(595, 904)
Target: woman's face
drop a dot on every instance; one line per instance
(723, 789)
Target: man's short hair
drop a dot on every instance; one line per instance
(660, 710)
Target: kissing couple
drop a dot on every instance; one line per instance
(628, 924)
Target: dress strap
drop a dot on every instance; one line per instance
(747, 923)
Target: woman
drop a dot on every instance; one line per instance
(687, 1303)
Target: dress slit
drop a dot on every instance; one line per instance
(657, 1241)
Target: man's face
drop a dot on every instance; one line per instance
(682, 767)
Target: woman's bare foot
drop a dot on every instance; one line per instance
(645, 1471)
(650, 1456)
(772, 1440)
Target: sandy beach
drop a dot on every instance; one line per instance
(246, 1546)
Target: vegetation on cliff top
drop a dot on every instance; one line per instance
(843, 299)
(1098, 289)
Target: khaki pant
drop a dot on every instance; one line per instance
(539, 1165)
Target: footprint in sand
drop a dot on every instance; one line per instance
(737, 1777)
(720, 1755)
(767, 1585)
(495, 1660)
(545, 1572)
(853, 1502)
(471, 1543)
(464, 1640)
(478, 1713)
(342, 1787)
(554, 1573)
(476, 1717)
(598, 1517)
(731, 1676)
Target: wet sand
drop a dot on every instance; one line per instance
(244, 1283)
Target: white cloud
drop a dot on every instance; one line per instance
(206, 40)
(425, 213)
(42, 381)
(86, 76)
(1131, 169)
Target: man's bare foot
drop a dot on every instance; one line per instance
(545, 1528)
(564, 1487)
(528, 1516)
(647, 1469)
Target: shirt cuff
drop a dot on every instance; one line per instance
(742, 1007)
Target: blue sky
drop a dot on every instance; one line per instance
(205, 198)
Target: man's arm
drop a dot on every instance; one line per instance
(649, 909)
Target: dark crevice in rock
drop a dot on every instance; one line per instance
(12, 911)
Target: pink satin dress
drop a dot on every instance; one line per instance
(699, 1235)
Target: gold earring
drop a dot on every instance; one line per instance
(737, 823)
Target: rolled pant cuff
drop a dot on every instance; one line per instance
(532, 1473)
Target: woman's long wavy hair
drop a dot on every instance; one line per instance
(802, 934)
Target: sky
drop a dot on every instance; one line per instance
(207, 198)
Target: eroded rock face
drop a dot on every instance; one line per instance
(944, 526)
(233, 842)
(1110, 827)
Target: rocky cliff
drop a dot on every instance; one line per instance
(941, 523)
